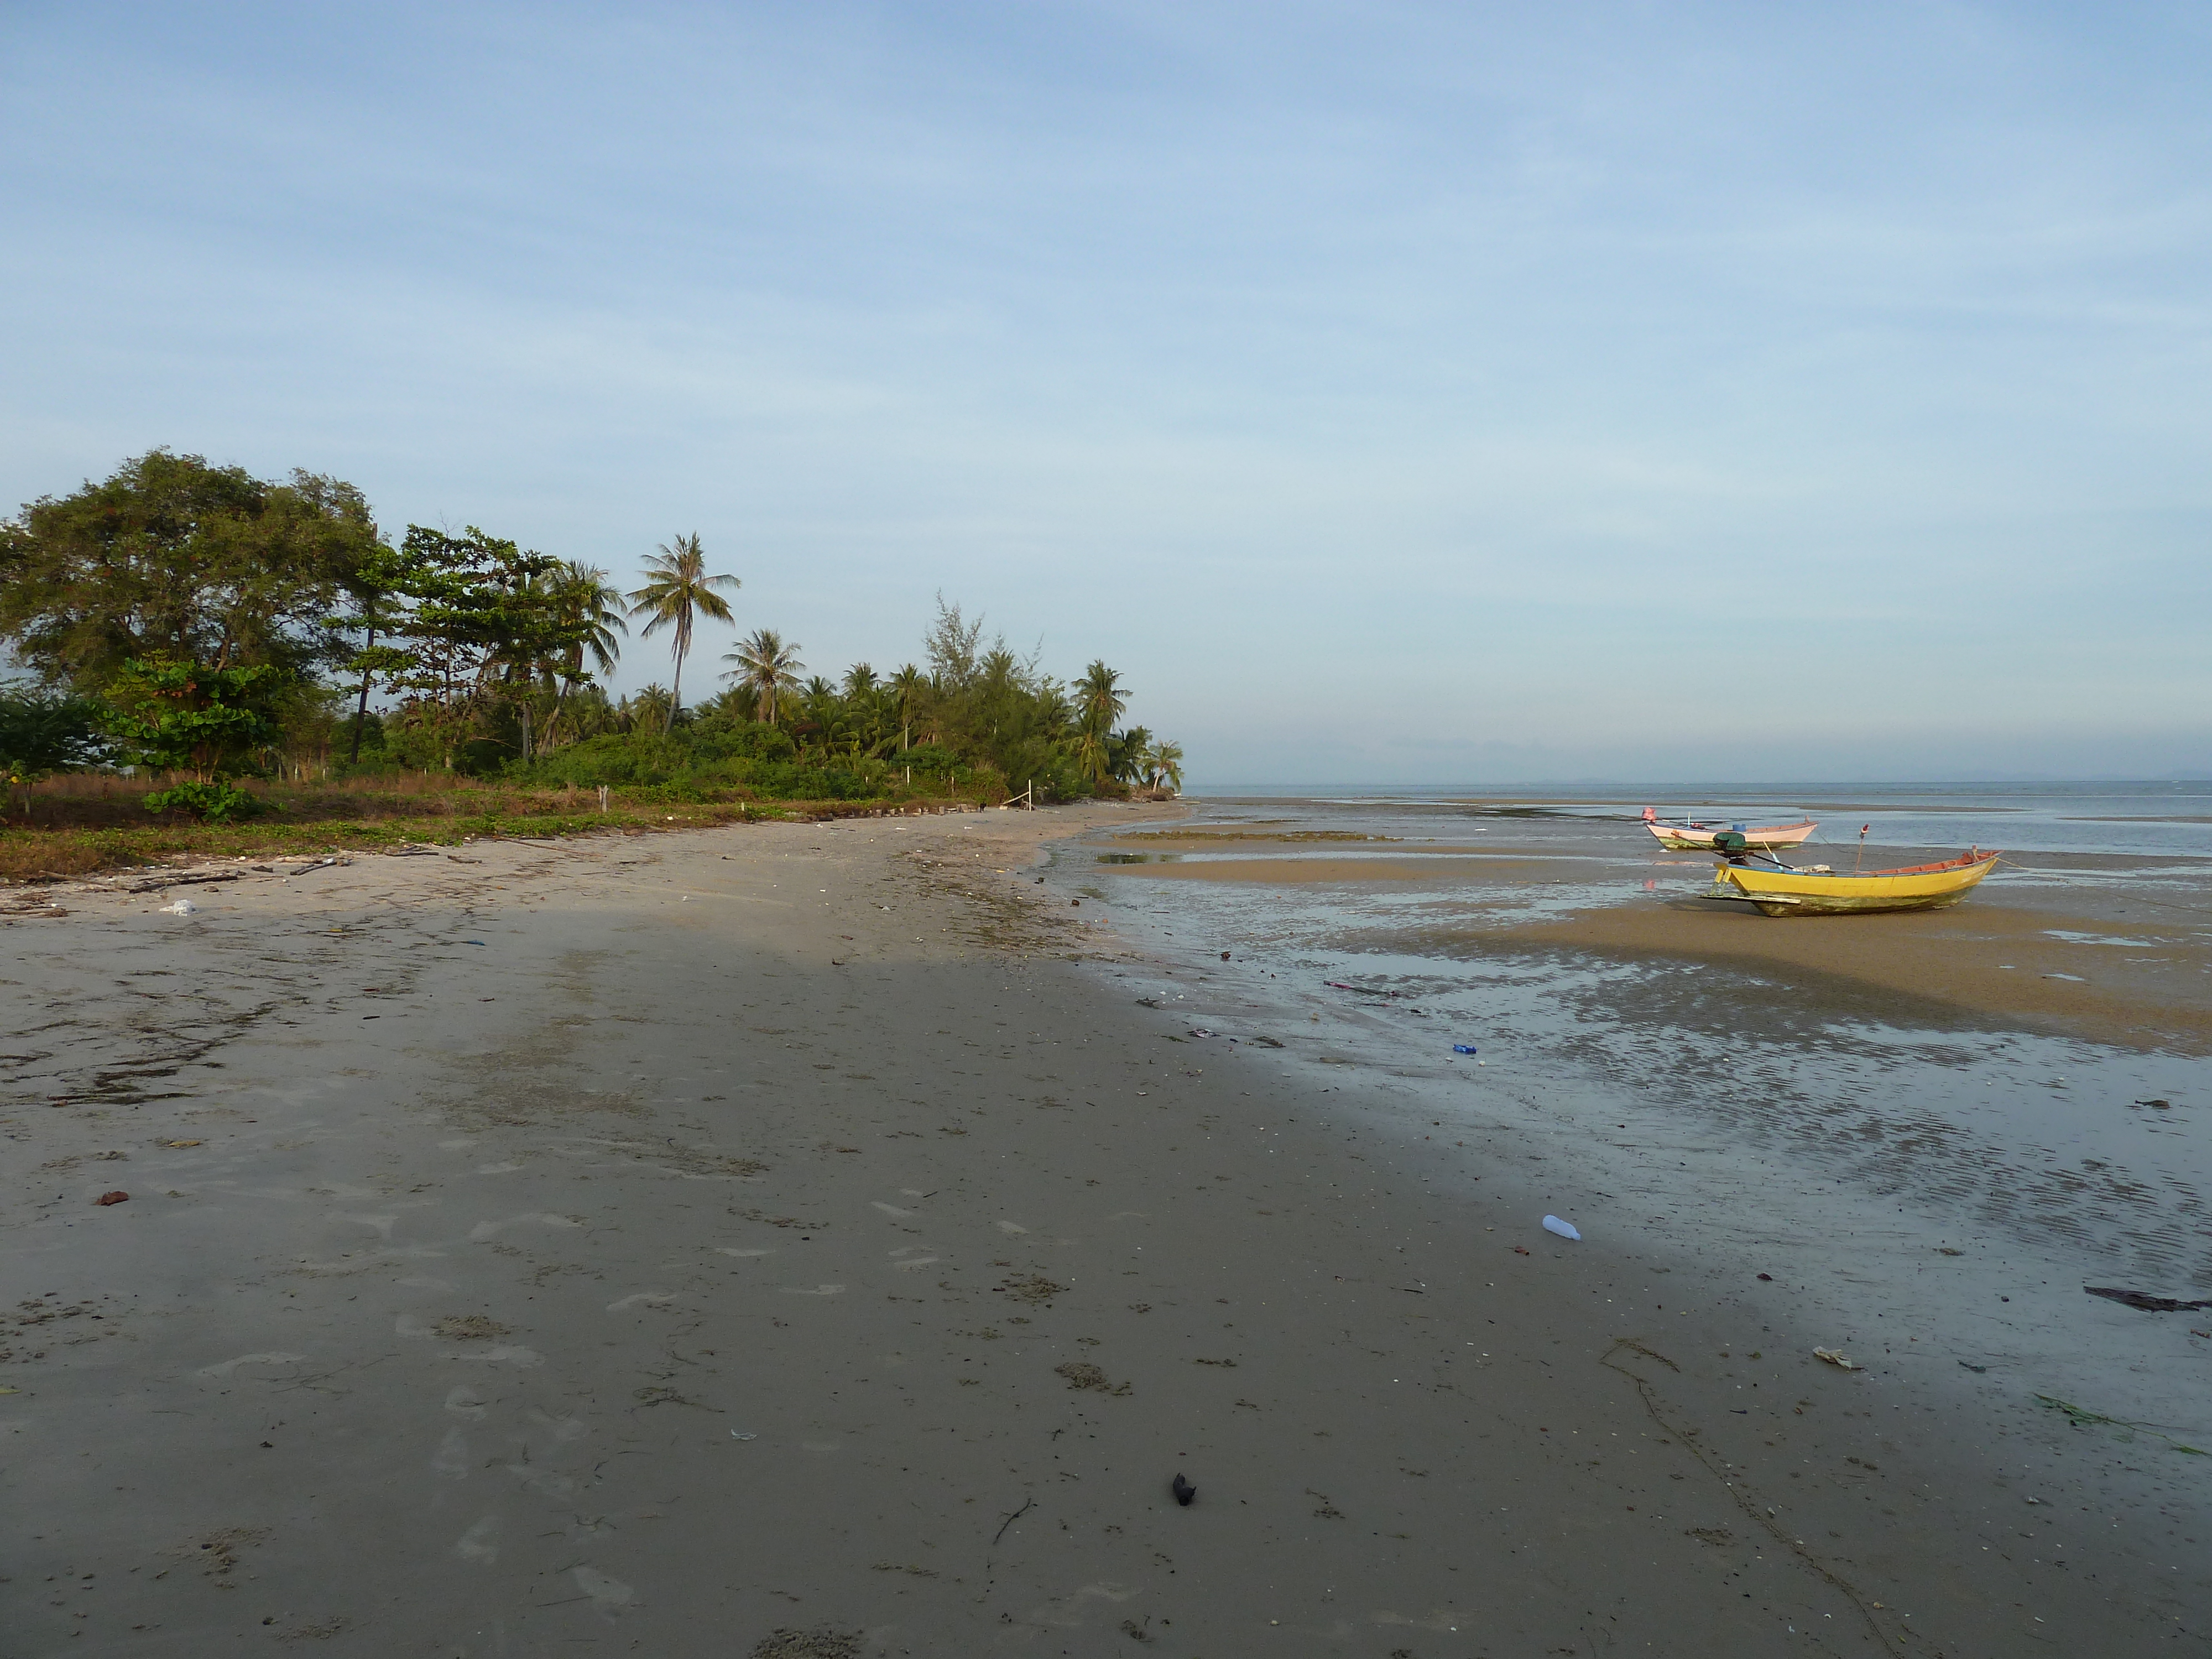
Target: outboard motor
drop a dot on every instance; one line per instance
(1731, 845)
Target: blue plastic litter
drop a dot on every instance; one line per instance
(1462, 1048)
(1564, 1228)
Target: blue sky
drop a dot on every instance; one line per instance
(1406, 393)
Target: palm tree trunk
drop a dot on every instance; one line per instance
(675, 696)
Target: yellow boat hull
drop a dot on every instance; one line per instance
(1801, 893)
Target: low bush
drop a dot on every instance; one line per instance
(211, 803)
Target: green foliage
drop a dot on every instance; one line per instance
(185, 716)
(676, 588)
(727, 763)
(41, 735)
(224, 624)
(172, 556)
(211, 803)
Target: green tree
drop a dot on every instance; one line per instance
(1163, 765)
(481, 620)
(1125, 752)
(41, 733)
(173, 557)
(591, 606)
(909, 688)
(176, 716)
(1099, 701)
(768, 667)
(676, 588)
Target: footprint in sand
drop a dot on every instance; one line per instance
(541, 1480)
(230, 1366)
(466, 1401)
(484, 1230)
(607, 1594)
(480, 1543)
(503, 1355)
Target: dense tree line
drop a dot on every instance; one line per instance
(195, 621)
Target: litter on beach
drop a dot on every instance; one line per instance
(1837, 1357)
(112, 1198)
(1462, 1048)
(1564, 1228)
(181, 908)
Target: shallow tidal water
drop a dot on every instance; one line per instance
(1938, 1181)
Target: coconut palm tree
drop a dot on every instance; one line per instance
(583, 598)
(909, 687)
(651, 707)
(767, 667)
(1163, 765)
(1100, 698)
(678, 586)
(1101, 695)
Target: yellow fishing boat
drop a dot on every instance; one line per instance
(1785, 892)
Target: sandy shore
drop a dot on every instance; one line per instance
(660, 1243)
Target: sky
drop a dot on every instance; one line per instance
(1393, 392)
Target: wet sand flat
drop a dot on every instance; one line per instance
(662, 1244)
(2083, 961)
(2119, 980)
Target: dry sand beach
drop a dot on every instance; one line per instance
(798, 1240)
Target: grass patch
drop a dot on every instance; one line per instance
(74, 833)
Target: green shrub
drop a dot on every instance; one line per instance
(211, 803)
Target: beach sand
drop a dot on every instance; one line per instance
(783, 1240)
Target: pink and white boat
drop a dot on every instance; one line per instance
(1695, 835)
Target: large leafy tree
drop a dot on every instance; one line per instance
(173, 557)
(481, 620)
(677, 589)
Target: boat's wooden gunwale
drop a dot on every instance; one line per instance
(1693, 836)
